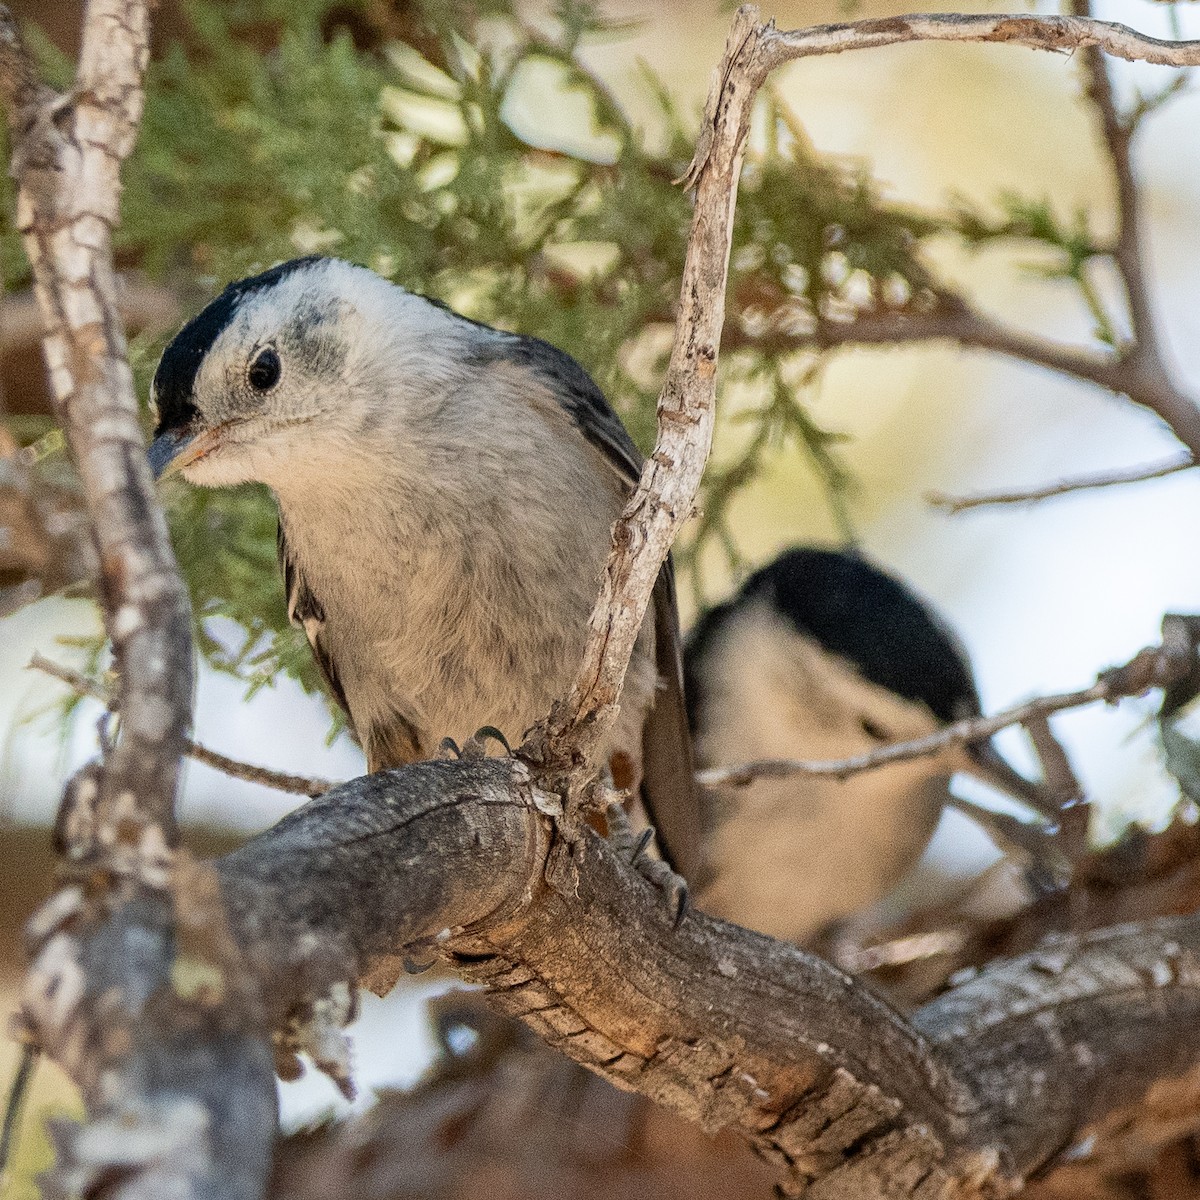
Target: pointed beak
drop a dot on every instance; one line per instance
(174, 449)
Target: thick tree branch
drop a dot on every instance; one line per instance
(135, 986)
(725, 1026)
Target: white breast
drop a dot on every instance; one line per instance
(456, 579)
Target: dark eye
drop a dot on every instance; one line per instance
(264, 370)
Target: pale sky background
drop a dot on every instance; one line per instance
(1043, 597)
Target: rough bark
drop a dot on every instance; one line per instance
(135, 986)
(160, 985)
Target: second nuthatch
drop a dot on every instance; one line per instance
(820, 656)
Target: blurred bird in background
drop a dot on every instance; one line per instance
(821, 655)
(446, 493)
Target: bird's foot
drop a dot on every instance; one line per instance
(633, 848)
(475, 746)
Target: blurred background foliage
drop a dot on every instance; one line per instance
(472, 155)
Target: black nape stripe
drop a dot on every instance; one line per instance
(175, 376)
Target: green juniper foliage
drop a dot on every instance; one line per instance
(433, 149)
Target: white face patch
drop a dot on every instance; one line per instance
(356, 356)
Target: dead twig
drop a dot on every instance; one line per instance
(1102, 479)
(17, 1093)
(666, 494)
(1156, 666)
(1118, 139)
(281, 781)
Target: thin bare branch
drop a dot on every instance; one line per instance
(281, 781)
(1153, 667)
(18, 1092)
(1118, 138)
(1144, 381)
(1064, 34)
(1138, 371)
(1148, 103)
(667, 491)
(1063, 487)
(666, 494)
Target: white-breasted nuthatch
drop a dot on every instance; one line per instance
(820, 656)
(446, 492)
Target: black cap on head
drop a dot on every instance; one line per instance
(175, 376)
(855, 610)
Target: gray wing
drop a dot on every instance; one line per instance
(577, 392)
(390, 746)
(669, 790)
(305, 610)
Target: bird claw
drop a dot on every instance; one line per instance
(672, 885)
(657, 873)
(639, 848)
(476, 745)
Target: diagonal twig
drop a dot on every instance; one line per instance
(1118, 138)
(281, 781)
(1153, 667)
(1063, 487)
